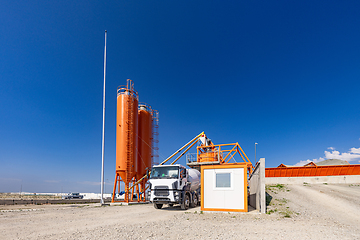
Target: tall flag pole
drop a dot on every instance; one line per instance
(103, 130)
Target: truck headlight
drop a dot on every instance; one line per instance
(176, 195)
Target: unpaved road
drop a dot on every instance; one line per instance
(297, 212)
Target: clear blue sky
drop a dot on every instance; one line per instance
(284, 74)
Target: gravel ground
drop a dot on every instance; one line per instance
(295, 212)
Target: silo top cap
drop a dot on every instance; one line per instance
(142, 107)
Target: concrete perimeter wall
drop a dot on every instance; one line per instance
(48, 201)
(347, 179)
(257, 195)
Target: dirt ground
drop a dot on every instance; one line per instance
(295, 212)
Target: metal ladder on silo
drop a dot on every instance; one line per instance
(129, 142)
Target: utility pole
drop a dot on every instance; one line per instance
(255, 151)
(103, 130)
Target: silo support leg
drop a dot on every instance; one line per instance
(114, 190)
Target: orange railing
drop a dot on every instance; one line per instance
(312, 171)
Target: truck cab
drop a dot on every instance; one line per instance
(170, 184)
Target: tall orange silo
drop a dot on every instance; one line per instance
(144, 140)
(126, 135)
(144, 145)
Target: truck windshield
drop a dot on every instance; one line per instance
(164, 172)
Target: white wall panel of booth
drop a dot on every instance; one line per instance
(224, 188)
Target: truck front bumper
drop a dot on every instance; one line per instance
(172, 196)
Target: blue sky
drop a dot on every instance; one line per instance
(284, 74)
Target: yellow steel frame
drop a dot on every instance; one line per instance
(182, 148)
(222, 150)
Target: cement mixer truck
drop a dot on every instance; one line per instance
(174, 184)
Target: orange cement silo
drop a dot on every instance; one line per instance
(144, 140)
(126, 133)
(135, 135)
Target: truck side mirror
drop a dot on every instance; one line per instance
(182, 173)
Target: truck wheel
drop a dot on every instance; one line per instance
(170, 204)
(186, 203)
(158, 206)
(195, 201)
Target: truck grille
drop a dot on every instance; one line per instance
(161, 191)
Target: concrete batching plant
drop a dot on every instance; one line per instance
(136, 139)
